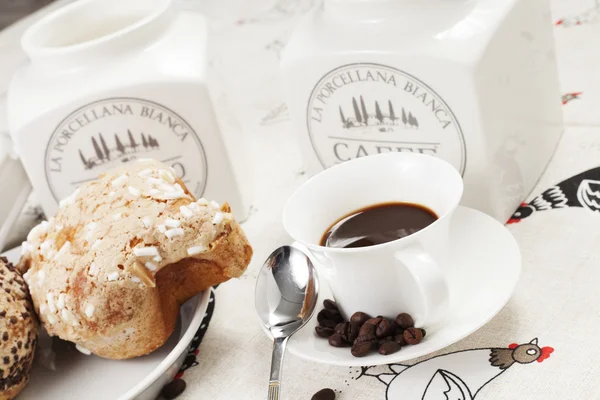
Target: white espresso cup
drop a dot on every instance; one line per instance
(410, 274)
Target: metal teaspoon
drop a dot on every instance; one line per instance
(286, 293)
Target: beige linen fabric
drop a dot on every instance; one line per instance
(556, 301)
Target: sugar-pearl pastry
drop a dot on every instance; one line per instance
(18, 331)
(114, 286)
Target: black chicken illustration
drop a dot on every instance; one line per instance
(582, 190)
(190, 358)
(457, 376)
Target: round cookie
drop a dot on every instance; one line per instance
(111, 269)
(18, 331)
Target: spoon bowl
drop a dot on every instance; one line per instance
(286, 294)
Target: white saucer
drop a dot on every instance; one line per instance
(491, 264)
(61, 372)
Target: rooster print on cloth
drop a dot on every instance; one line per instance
(454, 376)
(582, 190)
(590, 15)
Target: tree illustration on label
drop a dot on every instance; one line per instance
(393, 117)
(120, 152)
(87, 163)
(105, 147)
(356, 111)
(345, 122)
(132, 142)
(364, 111)
(412, 121)
(120, 146)
(97, 150)
(378, 113)
(384, 122)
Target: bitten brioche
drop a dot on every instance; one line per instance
(111, 269)
(18, 331)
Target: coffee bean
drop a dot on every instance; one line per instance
(330, 304)
(400, 339)
(383, 340)
(323, 315)
(328, 319)
(173, 389)
(348, 331)
(361, 349)
(323, 331)
(341, 328)
(332, 315)
(389, 348)
(405, 321)
(423, 331)
(352, 333)
(359, 317)
(413, 336)
(367, 329)
(365, 338)
(374, 321)
(385, 328)
(399, 331)
(336, 340)
(324, 394)
(327, 323)
(335, 315)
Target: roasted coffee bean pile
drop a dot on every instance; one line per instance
(364, 334)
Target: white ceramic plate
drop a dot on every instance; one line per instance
(490, 265)
(61, 372)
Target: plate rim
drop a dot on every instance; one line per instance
(352, 362)
(171, 358)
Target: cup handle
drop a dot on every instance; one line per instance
(431, 282)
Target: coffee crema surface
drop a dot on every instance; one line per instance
(377, 224)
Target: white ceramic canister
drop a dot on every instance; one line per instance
(112, 81)
(471, 81)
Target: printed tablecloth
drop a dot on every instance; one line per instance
(557, 301)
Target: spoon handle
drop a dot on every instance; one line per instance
(276, 366)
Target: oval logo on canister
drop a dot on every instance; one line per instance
(362, 109)
(110, 132)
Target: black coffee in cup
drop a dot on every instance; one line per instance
(377, 224)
